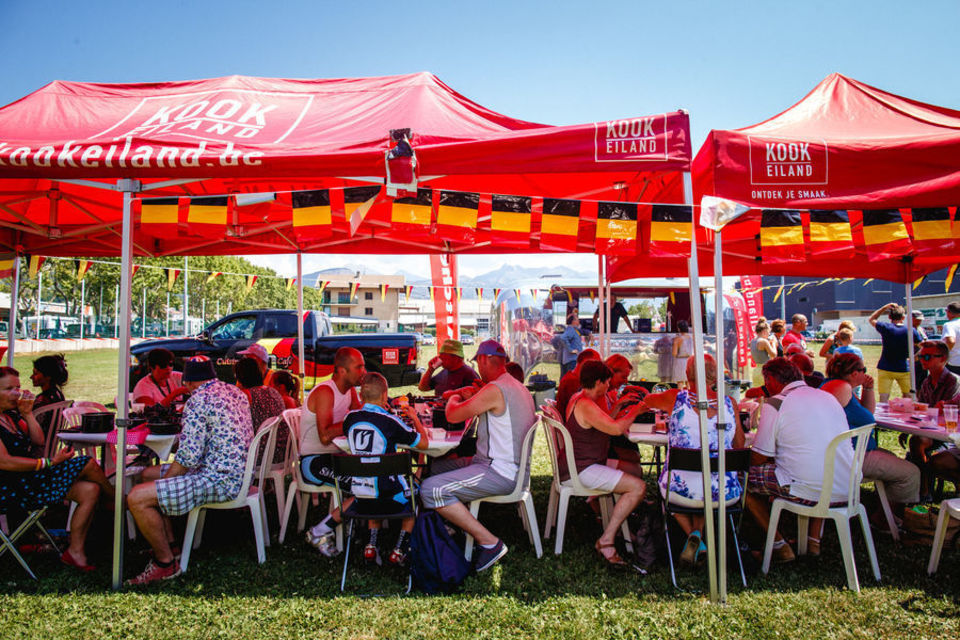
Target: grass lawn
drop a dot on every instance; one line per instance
(295, 594)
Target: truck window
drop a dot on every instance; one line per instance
(239, 328)
(280, 325)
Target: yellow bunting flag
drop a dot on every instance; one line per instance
(136, 268)
(673, 297)
(6, 268)
(171, 277)
(159, 217)
(496, 293)
(560, 224)
(383, 292)
(353, 290)
(916, 283)
(776, 296)
(830, 233)
(251, 280)
(82, 267)
(593, 296)
(430, 289)
(459, 294)
(510, 220)
(408, 291)
(412, 215)
(949, 280)
(671, 228)
(932, 230)
(885, 234)
(457, 216)
(480, 294)
(517, 293)
(213, 276)
(35, 262)
(290, 283)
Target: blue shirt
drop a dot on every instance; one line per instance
(372, 430)
(848, 348)
(893, 355)
(570, 344)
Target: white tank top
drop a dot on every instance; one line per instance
(309, 436)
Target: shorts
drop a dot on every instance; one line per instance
(181, 494)
(600, 478)
(762, 480)
(885, 381)
(317, 469)
(465, 483)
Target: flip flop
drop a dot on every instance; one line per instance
(69, 560)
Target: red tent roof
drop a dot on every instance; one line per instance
(239, 134)
(846, 145)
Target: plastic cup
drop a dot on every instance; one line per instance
(950, 417)
(933, 415)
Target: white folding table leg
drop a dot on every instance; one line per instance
(943, 523)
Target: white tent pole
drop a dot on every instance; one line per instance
(723, 421)
(128, 187)
(300, 355)
(599, 327)
(14, 303)
(143, 315)
(910, 346)
(167, 315)
(39, 300)
(83, 300)
(186, 299)
(203, 312)
(116, 311)
(696, 324)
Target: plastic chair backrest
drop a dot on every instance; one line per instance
(856, 471)
(96, 406)
(72, 415)
(292, 418)
(56, 423)
(562, 442)
(526, 453)
(549, 408)
(269, 431)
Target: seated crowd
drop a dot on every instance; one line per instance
(800, 414)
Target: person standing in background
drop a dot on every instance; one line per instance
(951, 331)
(682, 349)
(892, 366)
(570, 344)
(762, 348)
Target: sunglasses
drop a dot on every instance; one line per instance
(862, 369)
(926, 357)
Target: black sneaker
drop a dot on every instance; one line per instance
(486, 558)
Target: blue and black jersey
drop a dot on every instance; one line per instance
(372, 430)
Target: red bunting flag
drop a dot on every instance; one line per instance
(830, 233)
(496, 293)
(408, 291)
(510, 220)
(671, 229)
(251, 280)
(213, 276)
(207, 216)
(781, 236)
(6, 268)
(159, 217)
(480, 294)
(82, 267)
(413, 214)
(35, 262)
(136, 268)
(171, 277)
(559, 224)
(383, 292)
(616, 228)
(311, 214)
(932, 231)
(290, 283)
(885, 234)
(353, 290)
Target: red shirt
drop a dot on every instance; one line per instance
(791, 337)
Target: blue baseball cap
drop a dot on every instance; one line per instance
(490, 348)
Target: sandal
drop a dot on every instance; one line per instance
(692, 549)
(614, 562)
(67, 559)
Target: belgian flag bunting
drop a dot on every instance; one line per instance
(159, 216)
(251, 280)
(781, 236)
(171, 277)
(885, 234)
(560, 224)
(359, 201)
(932, 230)
(383, 292)
(457, 215)
(208, 216)
(480, 294)
(213, 276)
(510, 220)
(311, 214)
(496, 293)
(412, 215)
(408, 289)
(6, 268)
(830, 233)
(82, 267)
(34, 263)
(353, 290)
(671, 229)
(290, 283)
(616, 228)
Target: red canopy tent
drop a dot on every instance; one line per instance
(75, 157)
(845, 146)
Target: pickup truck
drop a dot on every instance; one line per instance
(392, 354)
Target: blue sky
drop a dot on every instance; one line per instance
(728, 64)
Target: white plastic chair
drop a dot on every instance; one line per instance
(55, 424)
(520, 495)
(560, 443)
(299, 492)
(96, 406)
(840, 512)
(948, 509)
(276, 472)
(887, 511)
(250, 497)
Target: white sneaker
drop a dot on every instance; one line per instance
(325, 543)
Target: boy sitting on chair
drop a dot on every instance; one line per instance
(373, 430)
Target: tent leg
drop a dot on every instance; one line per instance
(911, 348)
(301, 368)
(14, 303)
(128, 187)
(696, 324)
(723, 420)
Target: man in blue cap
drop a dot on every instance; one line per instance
(505, 413)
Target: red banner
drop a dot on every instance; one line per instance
(750, 289)
(443, 269)
(735, 301)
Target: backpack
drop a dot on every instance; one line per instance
(648, 542)
(919, 527)
(437, 564)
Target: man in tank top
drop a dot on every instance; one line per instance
(321, 421)
(505, 412)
